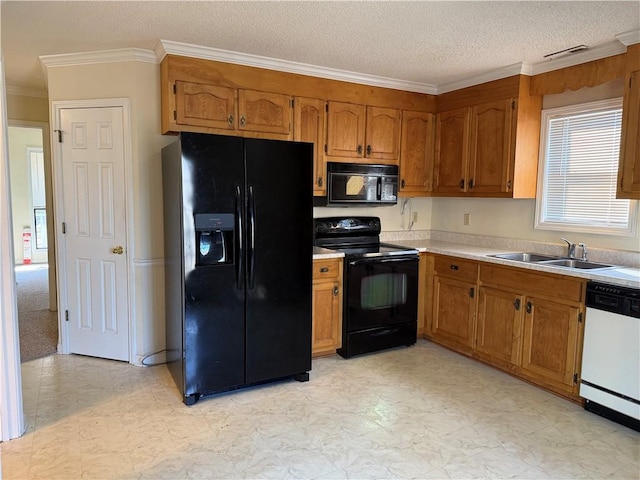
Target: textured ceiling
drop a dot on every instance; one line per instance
(426, 42)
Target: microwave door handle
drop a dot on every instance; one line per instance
(379, 189)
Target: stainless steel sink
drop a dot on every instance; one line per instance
(525, 257)
(575, 263)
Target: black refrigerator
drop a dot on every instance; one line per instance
(238, 235)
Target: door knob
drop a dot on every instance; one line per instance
(118, 250)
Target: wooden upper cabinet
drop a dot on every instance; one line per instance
(382, 133)
(309, 126)
(345, 130)
(264, 112)
(492, 135)
(495, 152)
(359, 132)
(629, 169)
(205, 105)
(416, 152)
(452, 151)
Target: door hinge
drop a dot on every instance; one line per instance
(175, 89)
(325, 148)
(326, 107)
(59, 132)
(513, 104)
(64, 227)
(291, 103)
(66, 315)
(175, 115)
(580, 317)
(575, 378)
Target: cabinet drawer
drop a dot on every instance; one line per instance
(540, 283)
(456, 268)
(327, 269)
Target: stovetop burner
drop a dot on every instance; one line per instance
(355, 237)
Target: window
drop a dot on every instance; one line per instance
(578, 172)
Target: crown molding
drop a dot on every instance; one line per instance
(504, 72)
(596, 53)
(629, 38)
(26, 92)
(103, 56)
(166, 47)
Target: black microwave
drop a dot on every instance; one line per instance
(359, 184)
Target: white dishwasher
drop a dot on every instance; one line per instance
(610, 382)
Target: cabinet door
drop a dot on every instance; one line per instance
(452, 151)
(308, 126)
(453, 311)
(264, 112)
(416, 152)
(492, 132)
(345, 130)
(550, 342)
(203, 105)
(383, 133)
(629, 170)
(326, 331)
(499, 329)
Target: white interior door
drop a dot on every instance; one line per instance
(95, 250)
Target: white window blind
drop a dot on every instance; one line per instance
(579, 170)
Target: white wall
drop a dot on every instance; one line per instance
(22, 205)
(140, 82)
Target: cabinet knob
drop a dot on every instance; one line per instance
(471, 183)
(319, 181)
(472, 292)
(402, 184)
(368, 150)
(243, 121)
(335, 291)
(462, 184)
(230, 120)
(516, 304)
(324, 269)
(359, 149)
(529, 307)
(454, 267)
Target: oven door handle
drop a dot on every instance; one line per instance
(381, 260)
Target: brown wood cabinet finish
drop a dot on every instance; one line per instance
(524, 322)
(416, 153)
(264, 112)
(382, 134)
(309, 124)
(452, 151)
(629, 168)
(326, 306)
(206, 105)
(345, 130)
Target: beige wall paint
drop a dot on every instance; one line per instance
(33, 109)
(140, 82)
(21, 201)
(516, 218)
(390, 217)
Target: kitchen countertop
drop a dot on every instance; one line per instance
(320, 253)
(623, 276)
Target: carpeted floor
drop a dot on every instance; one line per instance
(38, 327)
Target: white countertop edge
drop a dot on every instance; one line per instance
(610, 275)
(322, 253)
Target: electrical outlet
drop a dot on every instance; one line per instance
(467, 217)
(414, 217)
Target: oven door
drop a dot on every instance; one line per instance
(380, 292)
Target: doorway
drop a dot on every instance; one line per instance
(31, 198)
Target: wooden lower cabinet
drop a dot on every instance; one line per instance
(551, 342)
(326, 306)
(527, 323)
(499, 328)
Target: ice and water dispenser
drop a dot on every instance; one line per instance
(214, 238)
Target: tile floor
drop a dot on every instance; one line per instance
(420, 412)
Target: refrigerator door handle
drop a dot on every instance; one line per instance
(251, 260)
(240, 256)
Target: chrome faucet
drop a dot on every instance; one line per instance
(571, 248)
(584, 251)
